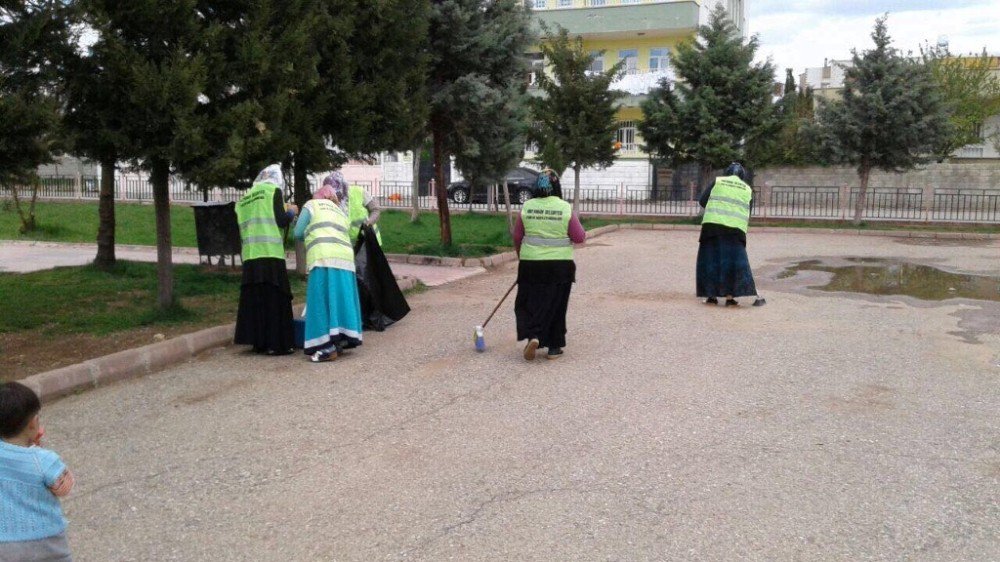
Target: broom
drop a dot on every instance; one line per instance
(479, 332)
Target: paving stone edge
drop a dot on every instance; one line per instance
(139, 361)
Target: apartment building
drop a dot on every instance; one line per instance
(644, 34)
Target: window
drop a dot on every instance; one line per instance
(537, 66)
(539, 4)
(977, 131)
(631, 58)
(596, 62)
(565, 3)
(597, 2)
(659, 60)
(626, 136)
(630, 1)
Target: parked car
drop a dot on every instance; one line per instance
(520, 182)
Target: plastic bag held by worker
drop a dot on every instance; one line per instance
(382, 303)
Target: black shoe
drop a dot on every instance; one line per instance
(759, 302)
(280, 352)
(555, 353)
(711, 300)
(732, 302)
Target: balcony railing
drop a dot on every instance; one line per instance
(544, 5)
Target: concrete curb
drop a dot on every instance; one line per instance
(127, 364)
(142, 360)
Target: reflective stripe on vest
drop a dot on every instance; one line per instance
(359, 213)
(729, 203)
(259, 232)
(546, 223)
(327, 238)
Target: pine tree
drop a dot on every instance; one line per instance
(575, 117)
(476, 56)
(156, 72)
(35, 40)
(892, 115)
(720, 105)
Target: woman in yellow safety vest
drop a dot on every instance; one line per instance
(333, 309)
(361, 208)
(723, 268)
(544, 236)
(264, 318)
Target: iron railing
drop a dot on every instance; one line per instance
(806, 202)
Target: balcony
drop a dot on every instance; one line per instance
(637, 83)
(616, 17)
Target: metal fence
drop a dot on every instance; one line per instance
(906, 204)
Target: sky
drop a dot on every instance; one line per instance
(801, 33)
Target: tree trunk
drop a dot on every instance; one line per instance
(415, 211)
(576, 186)
(440, 189)
(106, 228)
(160, 178)
(704, 177)
(506, 200)
(864, 172)
(303, 193)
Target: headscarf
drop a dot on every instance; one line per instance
(543, 184)
(272, 174)
(334, 184)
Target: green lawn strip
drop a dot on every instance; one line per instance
(474, 234)
(86, 300)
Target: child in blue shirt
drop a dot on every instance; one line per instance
(32, 479)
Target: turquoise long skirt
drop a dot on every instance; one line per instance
(333, 311)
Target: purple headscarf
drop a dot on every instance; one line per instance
(336, 182)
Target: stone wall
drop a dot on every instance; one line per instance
(951, 175)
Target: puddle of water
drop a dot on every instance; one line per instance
(875, 276)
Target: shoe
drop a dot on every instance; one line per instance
(555, 353)
(732, 302)
(279, 352)
(711, 300)
(530, 349)
(759, 302)
(323, 356)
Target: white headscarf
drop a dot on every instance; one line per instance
(271, 174)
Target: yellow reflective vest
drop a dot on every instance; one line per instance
(546, 227)
(259, 232)
(359, 213)
(729, 203)
(327, 237)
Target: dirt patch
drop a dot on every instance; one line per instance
(205, 395)
(867, 399)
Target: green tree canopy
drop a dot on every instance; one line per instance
(477, 57)
(892, 116)
(720, 104)
(575, 118)
(971, 89)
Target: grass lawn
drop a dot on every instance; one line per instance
(474, 234)
(58, 317)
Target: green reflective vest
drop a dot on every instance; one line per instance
(359, 213)
(729, 203)
(260, 233)
(327, 238)
(546, 227)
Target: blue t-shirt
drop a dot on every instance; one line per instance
(28, 509)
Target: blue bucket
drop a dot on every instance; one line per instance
(300, 332)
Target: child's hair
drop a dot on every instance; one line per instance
(18, 404)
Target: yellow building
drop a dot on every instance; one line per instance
(643, 33)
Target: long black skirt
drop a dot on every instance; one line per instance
(724, 268)
(543, 290)
(264, 318)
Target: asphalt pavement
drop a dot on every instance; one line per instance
(823, 426)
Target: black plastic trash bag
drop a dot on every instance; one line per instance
(382, 303)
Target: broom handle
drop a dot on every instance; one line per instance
(497, 307)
